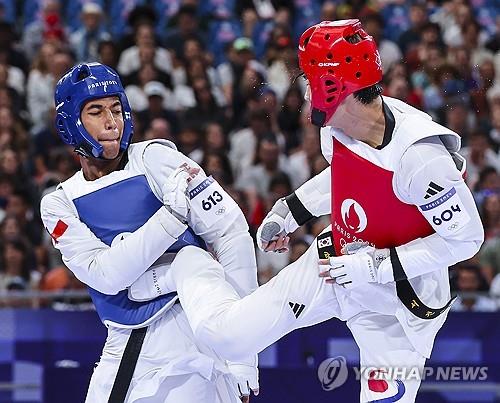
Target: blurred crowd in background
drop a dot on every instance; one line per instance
(220, 79)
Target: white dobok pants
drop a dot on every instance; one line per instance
(172, 368)
(296, 297)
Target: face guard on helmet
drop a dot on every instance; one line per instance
(81, 84)
(338, 58)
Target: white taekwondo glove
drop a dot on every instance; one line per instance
(175, 190)
(359, 265)
(279, 222)
(246, 376)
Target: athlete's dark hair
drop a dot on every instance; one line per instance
(368, 95)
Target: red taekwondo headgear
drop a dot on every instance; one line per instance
(338, 58)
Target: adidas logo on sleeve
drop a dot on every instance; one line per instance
(296, 308)
(432, 190)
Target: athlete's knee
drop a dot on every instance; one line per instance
(190, 253)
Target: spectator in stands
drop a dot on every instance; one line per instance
(15, 270)
(10, 123)
(186, 26)
(46, 139)
(158, 128)
(479, 155)
(244, 141)
(107, 52)
(10, 229)
(239, 56)
(206, 108)
(283, 67)
(490, 215)
(10, 165)
(289, 117)
(471, 41)
(19, 204)
(399, 85)
(411, 37)
(85, 41)
(486, 79)
(189, 141)
(140, 15)
(268, 162)
(215, 139)
(138, 82)
(489, 257)
(33, 34)
(145, 42)
(158, 106)
(488, 182)
(494, 133)
(40, 86)
(459, 118)
(466, 78)
(11, 90)
(217, 164)
(301, 162)
(389, 51)
(10, 53)
(461, 16)
(469, 280)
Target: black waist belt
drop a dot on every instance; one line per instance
(404, 289)
(127, 365)
(407, 294)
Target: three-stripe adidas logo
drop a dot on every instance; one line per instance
(432, 190)
(296, 308)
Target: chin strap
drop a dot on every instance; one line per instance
(86, 153)
(318, 117)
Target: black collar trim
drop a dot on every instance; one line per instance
(390, 123)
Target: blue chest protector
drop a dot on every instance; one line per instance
(119, 208)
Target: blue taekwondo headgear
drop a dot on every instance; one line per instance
(81, 84)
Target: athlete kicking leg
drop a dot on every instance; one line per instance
(237, 327)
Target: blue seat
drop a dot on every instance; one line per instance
(118, 11)
(165, 10)
(260, 36)
(487, 14)
(306, 15)
(221, 33)
(9, 10)
(396, 20)
(223, 9)
(31, 10)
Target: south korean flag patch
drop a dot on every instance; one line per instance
(325, 245)
(446, 213)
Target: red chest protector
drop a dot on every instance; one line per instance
(364, 206)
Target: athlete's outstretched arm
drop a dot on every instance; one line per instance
(311, 199)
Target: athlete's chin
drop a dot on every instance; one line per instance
(111, 149)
